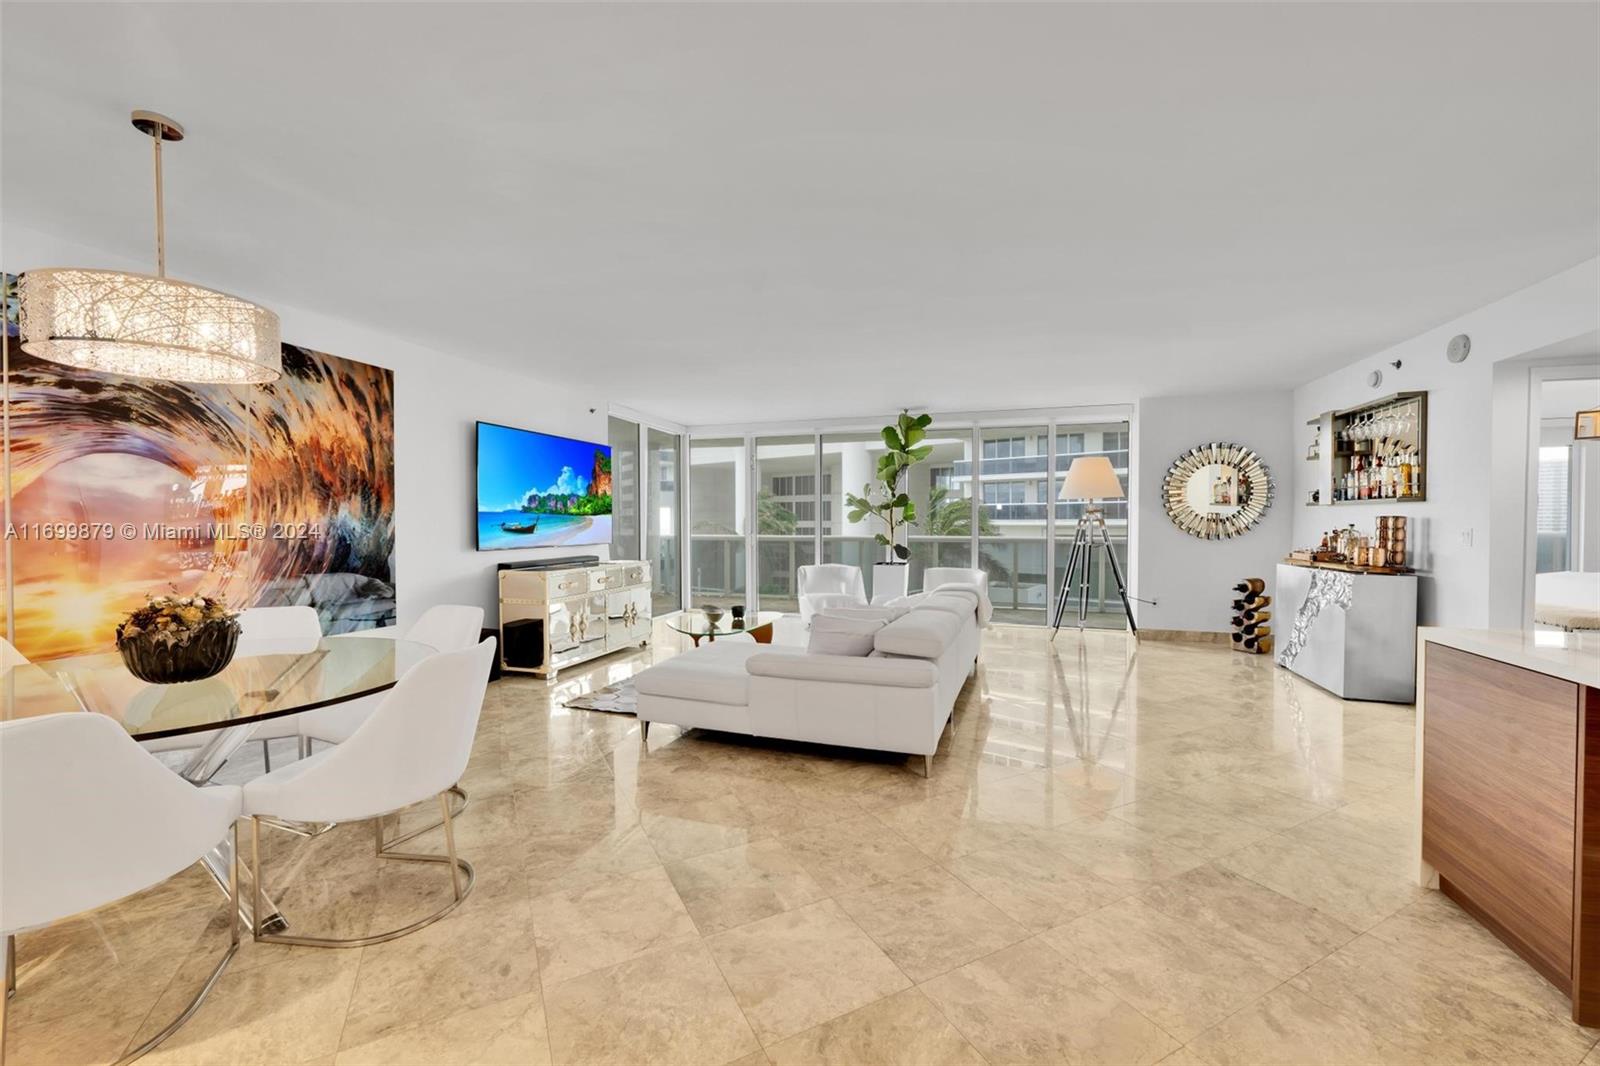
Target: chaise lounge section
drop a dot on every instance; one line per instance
(898, 698)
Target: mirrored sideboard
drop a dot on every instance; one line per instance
(1354, 634)
(551, 619)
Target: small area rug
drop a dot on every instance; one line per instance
(620, 698)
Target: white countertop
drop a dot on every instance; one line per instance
(1572, 657)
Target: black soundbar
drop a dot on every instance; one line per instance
(565, 562)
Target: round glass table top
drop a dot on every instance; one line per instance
(696, 624)
(267, 680)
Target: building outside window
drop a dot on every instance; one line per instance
(718, 488)
(786, 509)
(1110, 440)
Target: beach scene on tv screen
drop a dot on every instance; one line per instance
(536, 490)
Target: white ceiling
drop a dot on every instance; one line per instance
(722, 213)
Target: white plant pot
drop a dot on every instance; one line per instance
(888, 581)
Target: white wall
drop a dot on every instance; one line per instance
(1191, 579)
(1477, 442)
(438, 397)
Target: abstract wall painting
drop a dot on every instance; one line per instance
(120, 488)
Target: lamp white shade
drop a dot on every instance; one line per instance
(1091, 477)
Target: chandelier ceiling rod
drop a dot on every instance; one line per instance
(160, 128)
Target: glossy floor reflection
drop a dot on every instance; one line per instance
(1126, 853)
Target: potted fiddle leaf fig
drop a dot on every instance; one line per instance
(888, 500)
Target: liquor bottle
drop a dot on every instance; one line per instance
(1405, 473)
(1250, 585)
(1258, 641)
(1416, 475)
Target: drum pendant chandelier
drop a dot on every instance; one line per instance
(143, 325)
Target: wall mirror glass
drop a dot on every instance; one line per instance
(1216, 491)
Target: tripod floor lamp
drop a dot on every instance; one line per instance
(1090, 478)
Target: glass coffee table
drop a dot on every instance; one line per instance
(698, 627)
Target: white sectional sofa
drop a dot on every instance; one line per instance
(897, 699)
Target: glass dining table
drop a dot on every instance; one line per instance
(265, 680)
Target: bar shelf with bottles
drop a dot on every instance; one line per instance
(1374, 453)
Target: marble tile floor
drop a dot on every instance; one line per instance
(1127, 853)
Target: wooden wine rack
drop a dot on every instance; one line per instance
(1252, 629)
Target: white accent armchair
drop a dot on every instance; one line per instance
(829, 585)
(935, 576)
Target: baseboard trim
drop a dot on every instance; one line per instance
(1185, 636)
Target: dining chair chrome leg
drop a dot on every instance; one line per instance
(216, 972)
(450, 844)
(458, 867)
(266, 754)
(455, 790)
(255, 878)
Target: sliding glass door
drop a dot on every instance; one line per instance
(664, 465)
(786, 517)
(1013, 508)
(849, 463)
(1109, 439)
(718, 505)
(941, 487)
(623, 437)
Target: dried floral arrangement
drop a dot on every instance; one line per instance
(174, 620)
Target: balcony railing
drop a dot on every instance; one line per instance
(1018, 586)
(1015, 464)
(961, 469)
(716, 569)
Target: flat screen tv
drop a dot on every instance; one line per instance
(536, 490)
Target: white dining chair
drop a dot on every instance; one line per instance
(445, 627)
(412, 748)
(829, 585)
(86, 818)
(278, 631)
(262, 631)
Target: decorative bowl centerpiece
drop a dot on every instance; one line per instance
(713, 613)
(178, 638)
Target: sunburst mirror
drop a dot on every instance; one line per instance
(1217, 491)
